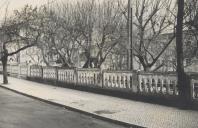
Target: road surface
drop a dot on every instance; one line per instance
(18, 111)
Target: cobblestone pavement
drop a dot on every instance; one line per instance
(18, 111)
(138, 113)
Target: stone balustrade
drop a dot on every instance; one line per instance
(194, 84)
(142, 83)
(89, 77)
(66, 76)
(13, 69)
(49, 73)
(36, 72)
(23, 71)
(158, 83)
(117, 79)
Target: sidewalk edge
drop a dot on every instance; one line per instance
(76, 110)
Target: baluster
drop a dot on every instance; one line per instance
(153, 85)
(83, 74)
(66, 76)
(72, 76)
(118, 81)
(63, 75)
(82, 78)
(146, 85)
(165, 86)
(158, 85)
(47, 74)
(86, 80)
(89, 78)
(52, 74)
(59, 76)
(94, 79)
(106, 80)
(161, 86)
(44, 74)
(143, 85)
(128, 81)
(69, 76)
(109, 81)
(139, 88)
(150, 85)
(168, 87)
(123, 82)
(79, 78)
(113, 81)
(175, 88)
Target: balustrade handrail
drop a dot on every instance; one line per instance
(118, 71)
(143, 82)
(88, 69)
(158, 73)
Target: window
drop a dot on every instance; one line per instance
(188, 61)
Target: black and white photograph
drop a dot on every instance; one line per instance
(99, 64)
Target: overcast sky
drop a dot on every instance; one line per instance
(17, 4)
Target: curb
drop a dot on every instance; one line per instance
(76, 110)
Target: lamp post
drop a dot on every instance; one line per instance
(130, 36)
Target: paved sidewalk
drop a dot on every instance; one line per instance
(133, 112)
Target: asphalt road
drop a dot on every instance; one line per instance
(18, 111)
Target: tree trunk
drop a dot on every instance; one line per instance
(147, 68)
(87, 63)
(5, 74)
(183, 80)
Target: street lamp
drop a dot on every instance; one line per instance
(130, 36)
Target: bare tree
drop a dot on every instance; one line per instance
(21, 29)
(191, 14)
(183, 80)
(152, 18)
(107, 30)
(191, 26)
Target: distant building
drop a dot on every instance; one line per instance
(190, 52)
